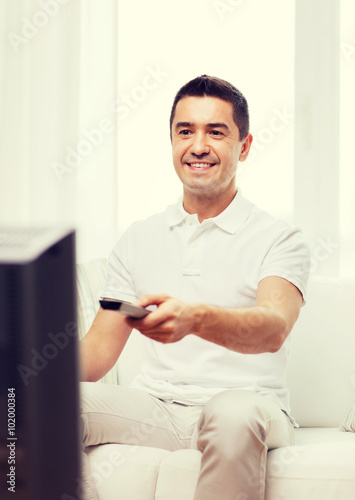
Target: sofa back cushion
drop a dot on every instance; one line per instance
(321, 370)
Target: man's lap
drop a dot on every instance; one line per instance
(126, 415)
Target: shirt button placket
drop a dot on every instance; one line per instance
(192, 259)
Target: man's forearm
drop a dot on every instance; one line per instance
(249, 330)
(93, 364)
(102, 345)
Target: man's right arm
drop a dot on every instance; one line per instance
(102, 345)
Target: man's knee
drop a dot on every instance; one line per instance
(234, 416)
(238, 406)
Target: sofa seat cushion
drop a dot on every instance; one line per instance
(320, 466)
(125, 471)
(178, 475)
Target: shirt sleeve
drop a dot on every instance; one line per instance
(119, 283)
(288, 258)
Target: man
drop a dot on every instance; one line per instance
(228, 281)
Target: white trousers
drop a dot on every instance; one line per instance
(234, 431)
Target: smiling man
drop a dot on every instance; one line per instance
(228, 281)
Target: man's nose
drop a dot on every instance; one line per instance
(200, 145)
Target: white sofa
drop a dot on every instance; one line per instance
(321, 379)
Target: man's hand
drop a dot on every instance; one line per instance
(170, 322)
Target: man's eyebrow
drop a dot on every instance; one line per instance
(209, 125)
(218, 125)
(183, 124)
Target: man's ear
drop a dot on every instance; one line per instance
(246, 145)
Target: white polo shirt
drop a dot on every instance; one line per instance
(218, 262)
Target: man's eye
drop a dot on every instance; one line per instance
(185, 132)
(216, 133)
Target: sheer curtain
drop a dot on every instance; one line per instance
(58, 80)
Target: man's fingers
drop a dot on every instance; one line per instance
(163, 334)
(164, 324)
(153, 299)
(157, 316)
(149, 322)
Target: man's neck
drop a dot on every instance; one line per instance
(207, 207)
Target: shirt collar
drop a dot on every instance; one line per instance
(176, 213)
(230, 220)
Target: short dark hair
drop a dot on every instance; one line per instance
(211, 86)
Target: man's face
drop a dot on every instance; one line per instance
(206, 146)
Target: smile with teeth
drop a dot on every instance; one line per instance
(201, 165)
